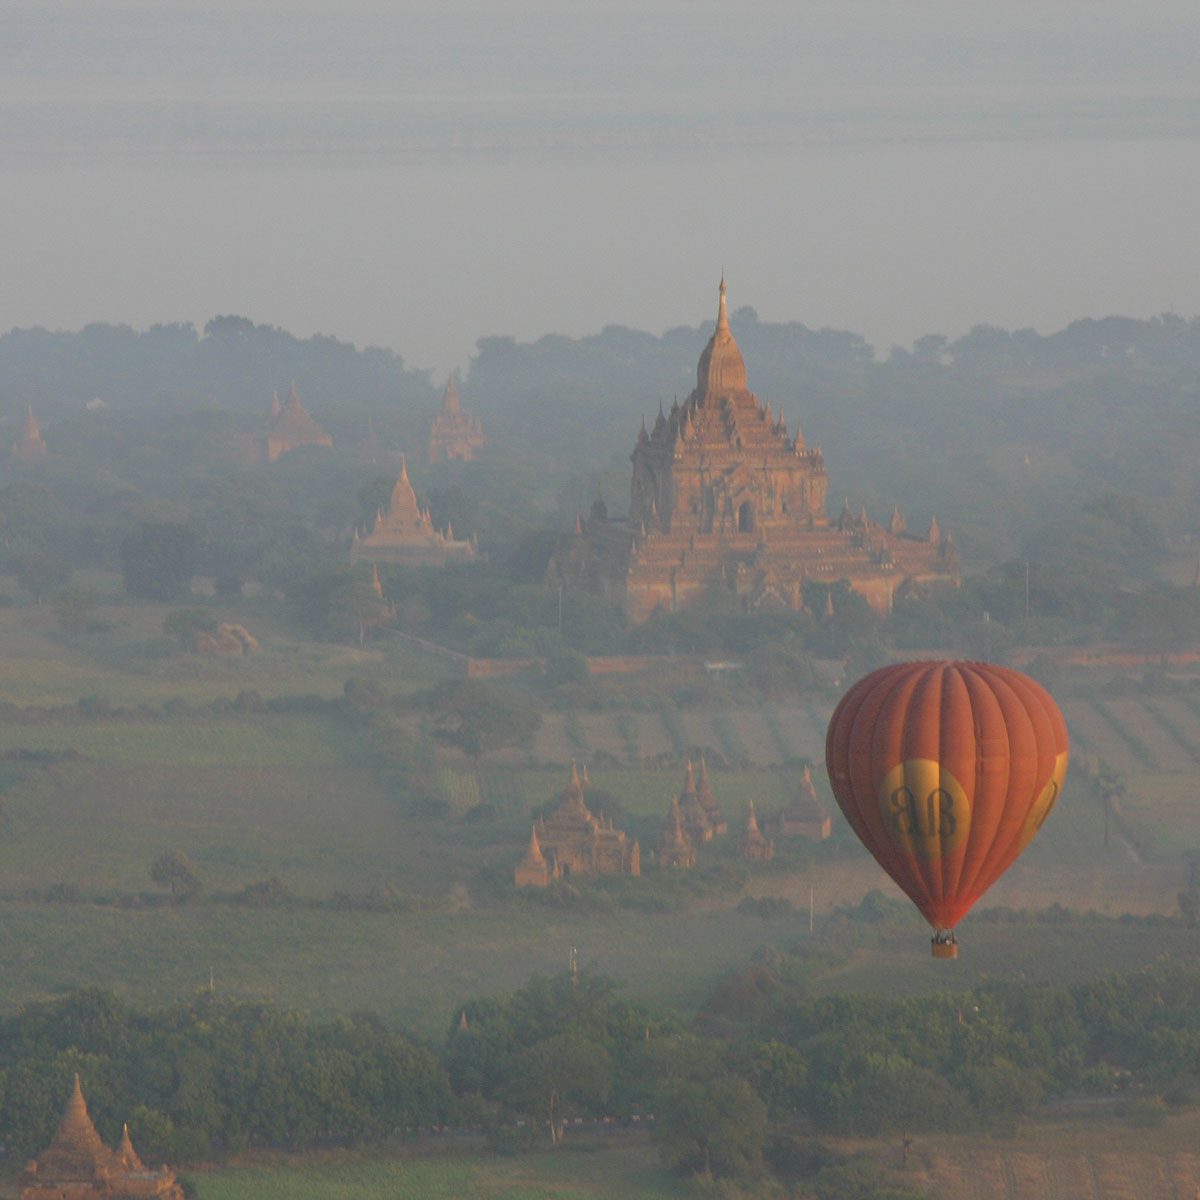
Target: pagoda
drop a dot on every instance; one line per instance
(805, 815)
(455, 434)
(30, 446)
(675, 848)
(572, 840)
(291, 427)
(77, 1165)
(752, 845)
(405, 534)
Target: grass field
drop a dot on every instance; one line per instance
(125, 663)
(1093, 1153)
(415, 970)
(295, 796)
(593, 1170)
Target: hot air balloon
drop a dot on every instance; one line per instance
(946, 772)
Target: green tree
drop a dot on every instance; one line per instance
(158, 560)
(478, 718)
(713, 1127)
(39, 574)
(73, 606)
(186, 624)
(173, 869)
(552, 1073)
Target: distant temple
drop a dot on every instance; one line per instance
(79, 1166)
(752, 845)
(805, 816)
(455, 434)
(725, 501)
(287, 427)
(30, 446)
(572, 841)
(674, 848)
(405, 534)
(291, 427)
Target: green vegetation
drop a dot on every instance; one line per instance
(592, 1171)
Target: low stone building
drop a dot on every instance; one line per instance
(77, 1165)
(573, 841)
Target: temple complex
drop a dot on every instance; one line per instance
(724, 501)
(405, 534)
(804, 816)
(78, 1166)
(30, 446)
(455, 434)
(573, 841)
(752, 845)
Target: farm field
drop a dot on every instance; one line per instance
(754, 734)
(301, 798)
(414, 969)
(126, 664)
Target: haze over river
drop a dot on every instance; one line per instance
(417, 177)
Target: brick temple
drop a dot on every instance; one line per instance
(725, 501)
(455, 434)
(77, 1165)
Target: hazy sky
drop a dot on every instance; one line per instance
(421, 175)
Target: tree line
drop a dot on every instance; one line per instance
(211, 1075)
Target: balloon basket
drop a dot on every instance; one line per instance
(944, 946)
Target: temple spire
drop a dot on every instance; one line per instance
(722, 315)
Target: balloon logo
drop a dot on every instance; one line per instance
(946, 771)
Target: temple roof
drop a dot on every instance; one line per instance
(76, 1150)
(721, 369)
(806, 805)
(294, 424)
(673, 836)
(404, 500)
(126, 1155)
(450, 403)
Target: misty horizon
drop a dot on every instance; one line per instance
(424, 177)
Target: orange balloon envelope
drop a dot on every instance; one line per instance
(946, 771)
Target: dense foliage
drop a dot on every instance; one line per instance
(212, 1075)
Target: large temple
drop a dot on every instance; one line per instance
(725, 501)
(77, 1165)
(455, 434)
(405, 534)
